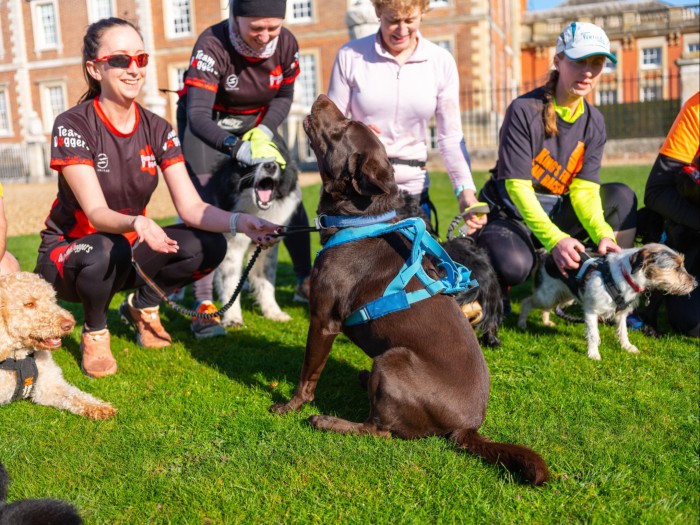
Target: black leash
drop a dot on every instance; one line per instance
(191, 313)
(289, 230)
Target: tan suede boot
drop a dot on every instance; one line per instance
(146, 321)
(97, 358)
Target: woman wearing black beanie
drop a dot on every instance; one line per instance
(238, 90)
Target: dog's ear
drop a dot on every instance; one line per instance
(371, 176)
(642, 258)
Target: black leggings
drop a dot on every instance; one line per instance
(511, 246)
(91, 270)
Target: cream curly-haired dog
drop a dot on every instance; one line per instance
(31, 326)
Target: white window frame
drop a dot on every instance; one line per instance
(305, 19)
(47, 113)
(300, 85)
(446, 43)
(93, 13)
(652, 43)
(169, 19)
(175, 73)
(658, 90)
(599, 97)
(690, 41)
(5, 97)
(40, 43)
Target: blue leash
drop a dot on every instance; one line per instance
(395, 298)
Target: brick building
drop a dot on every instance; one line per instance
(657, 46)
(40, 52)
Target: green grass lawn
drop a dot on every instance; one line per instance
(194, 443)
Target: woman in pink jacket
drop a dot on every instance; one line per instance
(395, 81)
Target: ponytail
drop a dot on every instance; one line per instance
(549, 116)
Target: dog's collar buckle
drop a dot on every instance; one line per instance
(27, 373)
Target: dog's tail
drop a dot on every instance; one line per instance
(516, 458)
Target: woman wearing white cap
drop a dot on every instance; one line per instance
(545, 189)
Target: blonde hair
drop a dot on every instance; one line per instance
(549, 116)
(400, 6)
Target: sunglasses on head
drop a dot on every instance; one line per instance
(124, 61)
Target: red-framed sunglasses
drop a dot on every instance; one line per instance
(124, 61)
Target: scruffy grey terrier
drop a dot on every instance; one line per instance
(608, 288)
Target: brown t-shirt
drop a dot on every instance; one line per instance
(125, 164)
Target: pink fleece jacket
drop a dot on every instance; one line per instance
(369, 85)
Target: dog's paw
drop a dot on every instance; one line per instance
(105, 411)
(278, 316)
(522, 323)
(281, 408)
(631, 349)
(594, 354)
(232, 322)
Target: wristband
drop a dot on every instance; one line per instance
(233, 223)
(459, 189)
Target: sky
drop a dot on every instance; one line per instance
(537, 5)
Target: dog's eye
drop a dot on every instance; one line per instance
(30, 304)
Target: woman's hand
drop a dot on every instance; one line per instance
(259, 230)
(566, 254)
(153, 235)
(607, 245)
(474, 221)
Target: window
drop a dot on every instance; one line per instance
(300, 11)
(5, 120)
(178, 18)
(433, 136)
(99, 9)
(53, 102)
(439, 3)
(607, 97)
(445, 44)
(649, 93)
(651, 58)
(609, 66)
(694, 47)
(45, 22)
(307, 82)
(176, 73)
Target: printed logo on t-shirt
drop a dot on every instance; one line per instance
(171, 141)
(276, 78)
(67, 138)
(102, 162)
(231, 83)
(202, 62)
(553, 176)
(148, 160)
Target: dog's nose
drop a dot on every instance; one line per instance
(67, 325)
(270, 167)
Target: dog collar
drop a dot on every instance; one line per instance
(26, 375)
(630, 281)
(343, 221)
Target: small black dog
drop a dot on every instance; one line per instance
(34, 511)
(487, 296)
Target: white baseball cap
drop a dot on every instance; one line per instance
(582, 40)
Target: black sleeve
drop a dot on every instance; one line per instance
(662, 196)
(279, 107)
(199, 118)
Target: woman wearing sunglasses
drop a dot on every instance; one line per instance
(107, 150)
(238, 90)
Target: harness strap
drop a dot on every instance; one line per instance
(343, 221)
(27, 373)
(612, 288)
(414, 163)
(395, 298)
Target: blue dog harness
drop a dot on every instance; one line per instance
(395, 298)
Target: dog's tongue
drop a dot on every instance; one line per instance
(264, 195)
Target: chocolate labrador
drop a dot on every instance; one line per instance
(429, 376)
